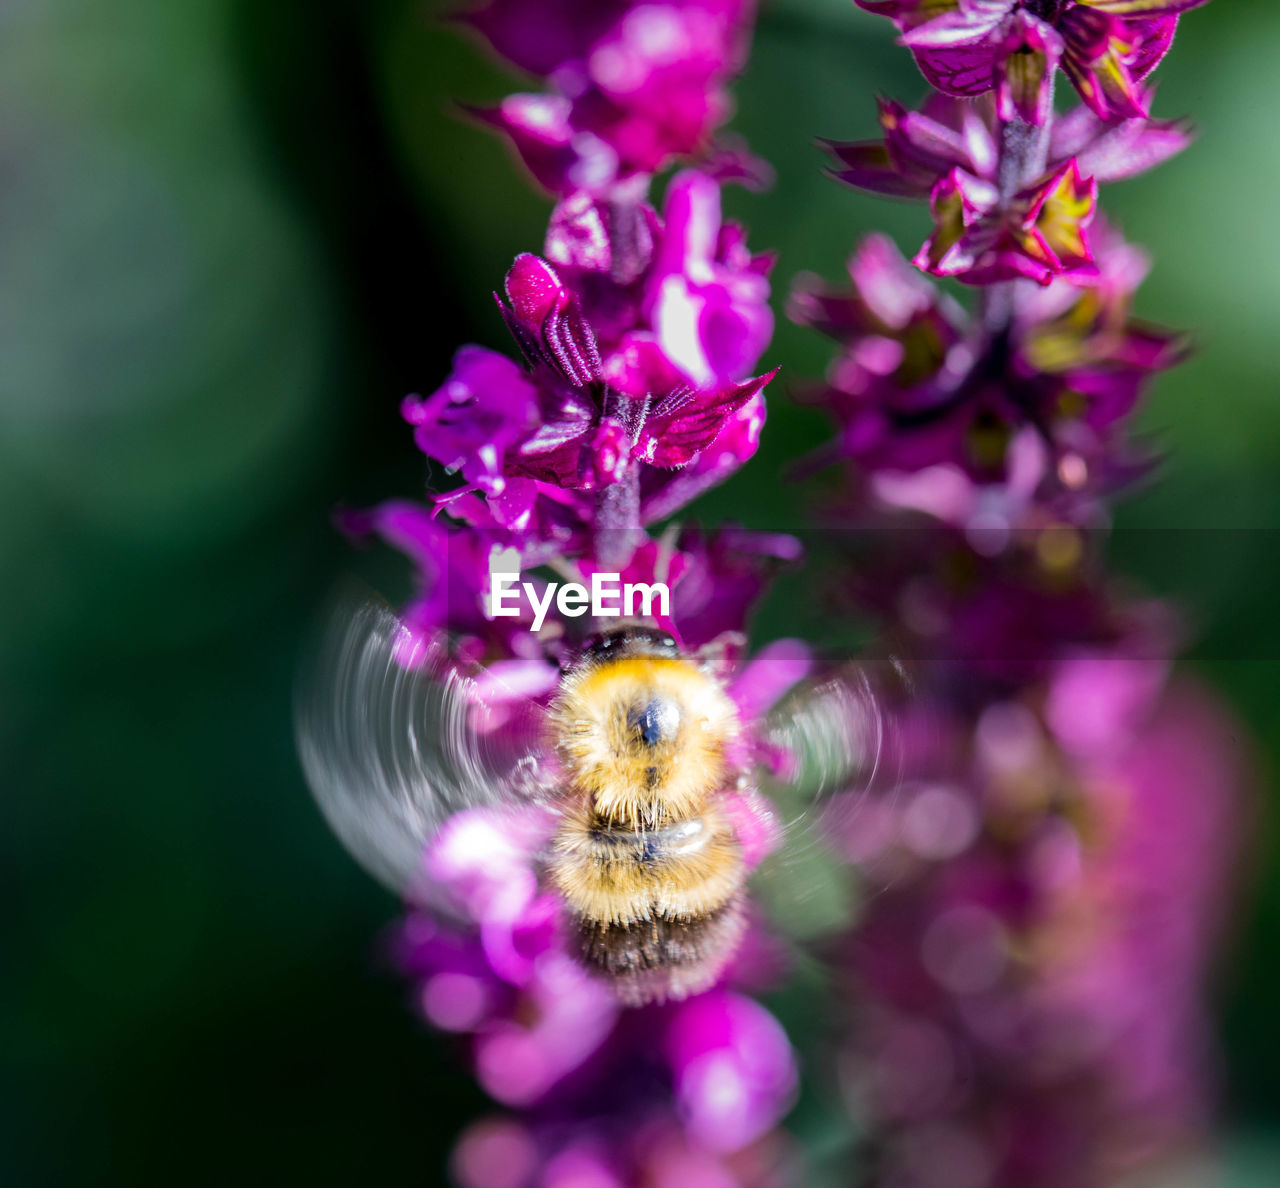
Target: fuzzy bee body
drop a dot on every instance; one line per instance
(635, 757)
(647, 863)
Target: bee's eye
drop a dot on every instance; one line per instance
(657, 720)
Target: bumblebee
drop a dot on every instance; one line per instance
(634, 753)
(646, 862)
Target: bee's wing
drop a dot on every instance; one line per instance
(833, 748)
(836, 736)
(391, 752)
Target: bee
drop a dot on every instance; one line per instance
(635, 752)
(645, 859)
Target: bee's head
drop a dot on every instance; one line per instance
(642, 730)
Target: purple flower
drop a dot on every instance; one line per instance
(726, 572)
(919, 386)
(489, 408)
(679, 294)
(663, 492)
(1026, 983)
(715, 578)
(1106, 47)
(574, 419)
(537, 519)
(540, 38)
(734, 1070)
(638, 339)
(676, 1093)
(503, 976)
(919, 148)
(636, 85)
(1038, 235)
(452, 576)
(708, 296)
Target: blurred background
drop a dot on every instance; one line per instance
(233, 233)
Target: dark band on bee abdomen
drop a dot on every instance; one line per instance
(661, 958)
(644, 845)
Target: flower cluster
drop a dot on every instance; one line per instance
(1106, 48)
(948, 152)
(1029, 988)
(940, 414)
(637, 334)
(1050, 874)
(1029, 975)
(633, 85)
(1028, 396)
(632, 388)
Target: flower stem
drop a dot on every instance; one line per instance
(617, 520)
(617, 529)
(1024, 155)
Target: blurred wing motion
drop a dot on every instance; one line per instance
(837, 736)
(392, 752)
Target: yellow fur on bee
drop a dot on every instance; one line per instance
(632, 784)
(620, 876)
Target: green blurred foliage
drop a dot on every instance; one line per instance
(232, 234)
